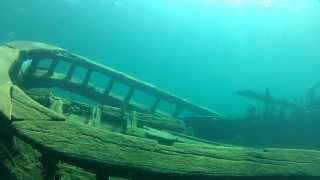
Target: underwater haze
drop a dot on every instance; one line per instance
(236, 90)
(202, 50)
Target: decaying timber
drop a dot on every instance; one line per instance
(266, 98)
(35, 75)
(54, 137)
(130, 155)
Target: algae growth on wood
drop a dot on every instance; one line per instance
(48, 136)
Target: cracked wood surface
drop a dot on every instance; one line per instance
(25, 108)
(94, 149)
(7, 58)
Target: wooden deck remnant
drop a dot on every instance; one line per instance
(142, 150)
(95, 149)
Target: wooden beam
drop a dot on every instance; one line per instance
(94, 149)
(155, 105)
(39, 50)
(129, 95)
(265, 98)
(109, 87)
(87, 77)
(52, 67)
(70, 72)
(140, 85)
(50, 167)
(33, 66)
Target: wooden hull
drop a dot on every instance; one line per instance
(97, 150)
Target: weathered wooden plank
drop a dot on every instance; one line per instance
(155, 105)
(70, 72)
(40, 50)
(7, 58)
(87, 77)
(52, 67)
(140, 85)
(129, 96)
(57, 80)
(25, 108)
(93, 149)
(160, 122)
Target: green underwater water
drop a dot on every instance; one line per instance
(202, 50)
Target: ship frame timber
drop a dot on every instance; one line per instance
(106, 153)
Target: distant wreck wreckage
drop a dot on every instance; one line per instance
(45, 134)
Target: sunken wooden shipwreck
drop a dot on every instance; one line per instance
(46, 136)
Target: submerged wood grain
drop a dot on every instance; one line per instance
(96, 149)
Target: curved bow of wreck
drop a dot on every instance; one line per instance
(48, 135)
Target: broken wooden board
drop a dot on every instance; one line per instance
(108, 112)
(25, 108)
(7, 58)
(98, 150)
